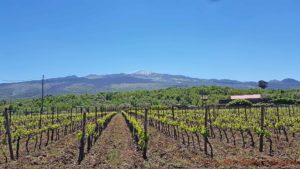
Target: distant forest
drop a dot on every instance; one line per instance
(170, 96)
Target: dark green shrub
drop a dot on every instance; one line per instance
(239, 103)
(284, 101)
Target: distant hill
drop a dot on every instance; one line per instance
(140, 80)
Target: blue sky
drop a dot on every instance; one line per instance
(236, 39)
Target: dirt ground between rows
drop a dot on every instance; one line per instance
(115, 150)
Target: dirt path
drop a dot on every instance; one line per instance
(167, 153)
(114, 148)
(57, 155)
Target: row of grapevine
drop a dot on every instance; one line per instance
(90, 132)
(169, 123)
(262, 124)
(54, 125)
(139, 132)
(270, 123)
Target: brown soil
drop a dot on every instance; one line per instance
(115, 150)
(55, 155)
(165, 152)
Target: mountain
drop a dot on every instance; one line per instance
(140, 80)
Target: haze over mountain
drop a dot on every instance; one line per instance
(140, 80)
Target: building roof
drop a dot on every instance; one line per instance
(253, 96)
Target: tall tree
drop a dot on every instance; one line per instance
(262, 84)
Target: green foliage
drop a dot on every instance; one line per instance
(79, 135)
(285, 101)
(91, 126)
(264, 104)
(138, 126)
(162, 97)
(262, 84)
(239, 103)
(264, 132)
(90, 129)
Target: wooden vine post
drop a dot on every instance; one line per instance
(261, 137)
(173, 118)
(8, 133)
(71, 127)
(52, 122)
(82, 140)
(96, 117)
(41, 112)
(205, 126)
(145, 134)
(97, 125)
(57, 121)
(96, 114)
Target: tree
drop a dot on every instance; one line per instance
(262, 84)
(239, 103)
(285, 101)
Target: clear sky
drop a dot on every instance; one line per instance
(236, 39)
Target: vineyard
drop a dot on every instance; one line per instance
(151, 137)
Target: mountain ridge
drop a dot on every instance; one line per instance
(139, 80)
